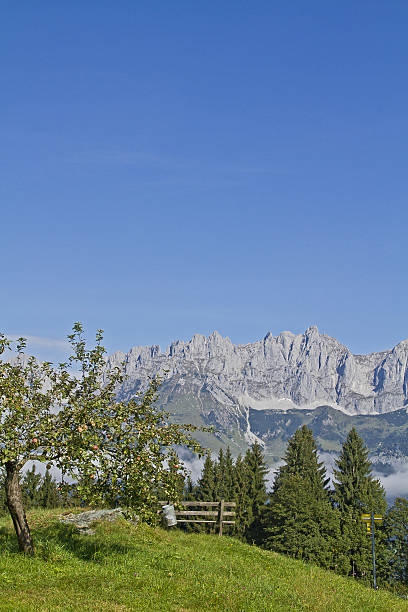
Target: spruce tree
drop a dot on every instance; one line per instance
(219, 474)
(206, 484)
(224, 479)
(206, 491)
(189, 490)
(356, 492)
(300, 520)
(397, 532)
(354, 485)
(255, 471)
(30, 488)
(301, 459)
(243, 508)
(48, 495)
(228, 477)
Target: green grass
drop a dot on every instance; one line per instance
(123, 567)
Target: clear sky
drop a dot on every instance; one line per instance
(171, 168)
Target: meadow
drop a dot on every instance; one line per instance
(126, 567)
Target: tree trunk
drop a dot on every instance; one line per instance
(14, 500)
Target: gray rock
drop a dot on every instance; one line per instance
(84, 520)
(289, 371)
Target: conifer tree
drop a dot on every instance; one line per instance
(224, 475)
(224, 478)
(255, 470)
(397, 524)
(300, 520)
(206, 490)
(48, 496)
(354, 485)
(30, 488)
(228, 476)
(243, 509)
(356, 492)
(219, 472)
(206, 484)
(189, 490)
(301, 459)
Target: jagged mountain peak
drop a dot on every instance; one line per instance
(265, 390)
(291, 370)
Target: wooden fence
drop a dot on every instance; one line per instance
(215, 515)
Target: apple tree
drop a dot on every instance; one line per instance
(121, 453)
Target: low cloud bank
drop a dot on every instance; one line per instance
(395, 484)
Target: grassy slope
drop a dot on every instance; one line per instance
(124, 567)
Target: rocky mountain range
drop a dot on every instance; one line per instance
(260, 391)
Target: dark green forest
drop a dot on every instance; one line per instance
(305, 518)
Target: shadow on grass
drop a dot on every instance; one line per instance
(8, 540)
(64, 538)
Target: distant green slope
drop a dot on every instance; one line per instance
(386, 435)
(125, 568)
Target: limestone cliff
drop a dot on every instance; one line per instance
(279, 372)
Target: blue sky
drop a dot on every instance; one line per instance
(174, 168)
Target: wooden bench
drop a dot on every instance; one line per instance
(215, 515)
